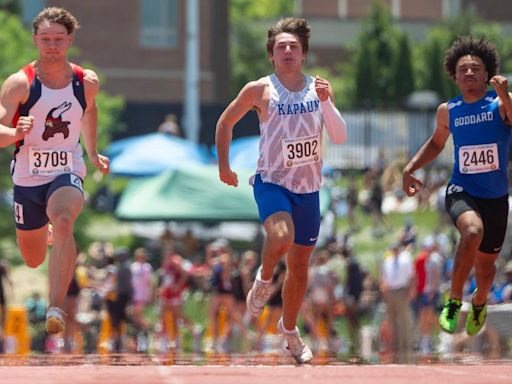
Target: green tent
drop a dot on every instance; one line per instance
(191, 194)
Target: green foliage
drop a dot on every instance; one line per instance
(248, 54)
(402, 73)
(249, 59)
(376, 80)
(16, 45)
(240, 11)
(364, 77)
(11, 6)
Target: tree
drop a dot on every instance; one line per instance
(11, 6)
(365, 77)
(377, 46)
(248, 55)
(402, 74)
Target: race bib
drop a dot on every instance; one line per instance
(49, 161)
(301, 151)
(478, 158)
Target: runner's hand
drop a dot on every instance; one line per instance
(228, 177)
(500, 84)
(101, 162)
(410, 184)
(24, 126)
(322, 88)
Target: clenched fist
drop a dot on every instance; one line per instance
(24, 126)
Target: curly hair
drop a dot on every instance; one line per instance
(467, 45)
(299, 27)
(56, 15)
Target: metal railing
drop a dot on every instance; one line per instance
(397, 135)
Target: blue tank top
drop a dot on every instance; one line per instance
(481, 142)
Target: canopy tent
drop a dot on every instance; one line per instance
(153, 153)
(191, 194)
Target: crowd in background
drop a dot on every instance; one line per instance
(182, 294)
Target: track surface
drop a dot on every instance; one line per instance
(131, 369)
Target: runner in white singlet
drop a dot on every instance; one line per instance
(51, 102)
(292, 109)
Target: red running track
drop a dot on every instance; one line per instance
(256, 374)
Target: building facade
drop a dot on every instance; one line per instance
(140, 46)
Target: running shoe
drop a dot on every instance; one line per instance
(257, 297)
(54, 320)
(299, 351)
(476, 317)
(450, 315)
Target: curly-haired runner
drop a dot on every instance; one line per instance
(477, 194)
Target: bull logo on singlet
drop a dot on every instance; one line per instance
(55, 124)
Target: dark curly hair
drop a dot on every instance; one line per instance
(299, 27)
(467, 45)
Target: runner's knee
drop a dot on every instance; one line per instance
(34, 262)
(63, 222)
(281, 241)
(472, 234)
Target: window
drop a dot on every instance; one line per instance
(30, 9)
(158, 23)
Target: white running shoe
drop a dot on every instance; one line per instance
(257, 297)
(55, 320)
(299, 351)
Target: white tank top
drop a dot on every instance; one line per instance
(53, 146)
(291, 138)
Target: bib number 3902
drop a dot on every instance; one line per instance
(48, 161)
(478, 158)
(301, 151)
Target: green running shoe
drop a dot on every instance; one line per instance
(450, 315)
(476, 318)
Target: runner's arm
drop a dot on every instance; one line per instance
(14, 92)
(243, 103)
(90, 122)
(334, 122)
(428, 152)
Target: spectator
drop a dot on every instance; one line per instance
(142, 284)
(173, 280)
(119, 292)
(353, 287)
(397, 278)
(170, 125)
(352, 196)
(429, 297)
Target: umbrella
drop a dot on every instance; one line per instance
(151, 154)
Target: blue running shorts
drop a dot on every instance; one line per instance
(30, 202)
(304, 208)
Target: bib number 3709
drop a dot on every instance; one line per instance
(48, 161)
